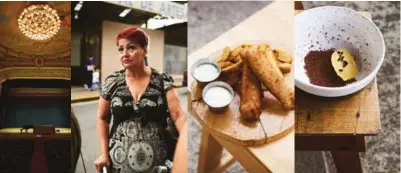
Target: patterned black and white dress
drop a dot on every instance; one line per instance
(137, 139)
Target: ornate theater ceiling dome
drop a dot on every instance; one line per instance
(39, 22)
(34, 34)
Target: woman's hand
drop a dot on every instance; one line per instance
(101, 161)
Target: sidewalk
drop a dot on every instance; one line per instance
(80, 94)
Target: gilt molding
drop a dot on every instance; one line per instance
(62, 73)
(39, 92)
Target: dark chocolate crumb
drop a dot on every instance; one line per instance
(325, 33)
(345, 63)
(320, 70)
(367, 44)
(341, 70)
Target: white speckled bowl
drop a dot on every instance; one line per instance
(330, 27)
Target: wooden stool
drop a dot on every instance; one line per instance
(338, 125)
(268, 158)
(271, 157)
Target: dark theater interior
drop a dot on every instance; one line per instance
(35, 112)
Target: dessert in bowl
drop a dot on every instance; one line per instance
(323, 36)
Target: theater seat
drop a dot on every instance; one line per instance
(58, 156)
(15, 155)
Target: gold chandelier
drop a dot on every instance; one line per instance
(39, 22)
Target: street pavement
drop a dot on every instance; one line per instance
(86, 114)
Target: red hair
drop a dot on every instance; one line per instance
(133, 34)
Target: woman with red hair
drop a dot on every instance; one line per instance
(139, 100)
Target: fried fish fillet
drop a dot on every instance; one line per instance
(264, 66)
(251, 94)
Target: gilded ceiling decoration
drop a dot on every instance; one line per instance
(39, 22)
(15, 44)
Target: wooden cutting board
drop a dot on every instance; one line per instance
(274, 122)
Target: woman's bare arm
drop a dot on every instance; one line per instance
(103, 120)
(181, 152)
(180, 120)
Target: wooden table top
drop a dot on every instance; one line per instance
(355, 114)
(275, 24)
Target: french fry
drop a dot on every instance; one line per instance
(246, 45)
(262, 48)
(275, 52)
(225, 64)
(235, 52)
(237, 58)
(243, 52)
(284, 67)
(282, 56)
(264, 88)
(235, 68)
(230, 78)
(224, 56)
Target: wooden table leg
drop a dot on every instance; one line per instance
(344, 149)
(244, 156)
(225, 163)
(347, 161)
(210, 153)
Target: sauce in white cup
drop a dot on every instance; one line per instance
(217, 96)
(206, 72)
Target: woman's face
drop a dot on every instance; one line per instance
(131, 53)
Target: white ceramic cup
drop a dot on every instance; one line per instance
(331, 27)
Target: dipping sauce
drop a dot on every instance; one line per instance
(218, 96)
(206, 72)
